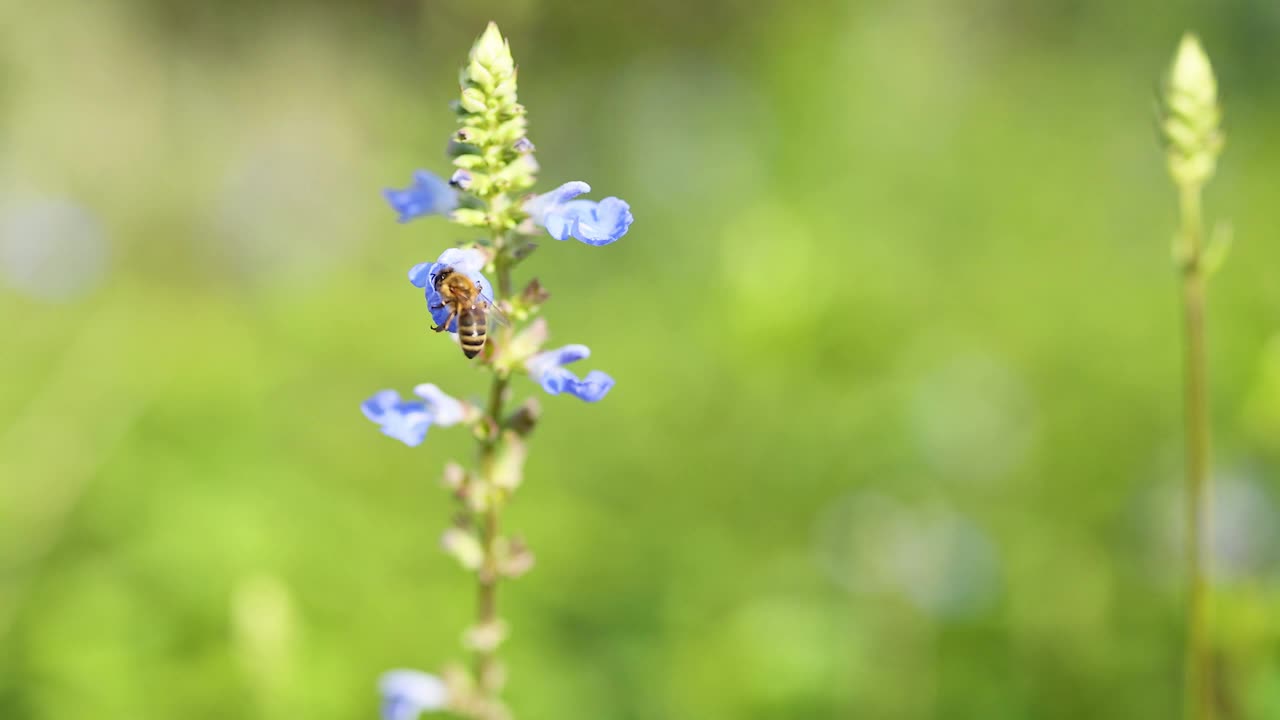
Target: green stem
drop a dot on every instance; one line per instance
(1199, 689)
(487, 578)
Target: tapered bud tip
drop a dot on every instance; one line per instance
(491, 35)
(1192, 73)
(492, 52)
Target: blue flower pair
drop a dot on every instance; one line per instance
(594, 223)
(409, 420)
(547, 369)
(558, 212)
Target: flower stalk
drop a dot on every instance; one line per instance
(494, 168)
(488, 673)
(1194, 141)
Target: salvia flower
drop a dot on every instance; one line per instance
(468, 261)
(409, 420)
(406, 694)
(428, 195)
(594, 223)
(547, 369)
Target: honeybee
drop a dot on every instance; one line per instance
(468, 305)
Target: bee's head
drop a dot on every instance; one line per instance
(441, 276)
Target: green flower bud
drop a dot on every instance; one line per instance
(492, 52)
(508, 464)
(524, 345)
(478, 74)
(470, 217)
(454, 477)
(514, 558)
(525, 418)
(491, 143)
(510, 131)
(485, 637)
(469, 162)
(473, 100)
(463, 546)
(1192, 116)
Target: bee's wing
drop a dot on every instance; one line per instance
(495, 314)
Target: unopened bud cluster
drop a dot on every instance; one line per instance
(494, 158)
(1191, 122)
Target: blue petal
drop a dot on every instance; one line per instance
(445, 410)
(559, 225)
(395, 707)
(608, 221)
(377, 406)
(547, 369)
(548, 202)
(406, 694)
(555, 379)
(563, 221)
(418, 274)
(590, 222)
(408, 423)
(428, 195)
(467, 260)
(404, 421)
(567, 354)
(593, 387)
(439, 311)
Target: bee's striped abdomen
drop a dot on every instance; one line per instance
(471, 330)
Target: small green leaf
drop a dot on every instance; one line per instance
(1218, 247)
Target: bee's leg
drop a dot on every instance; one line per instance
(452, 314)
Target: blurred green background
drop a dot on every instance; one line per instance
(897, 430)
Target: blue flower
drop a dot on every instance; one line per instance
(547, 369)
(594, 223)
(428, 195)
(406, 694)
(467, 261)
(408, 420)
